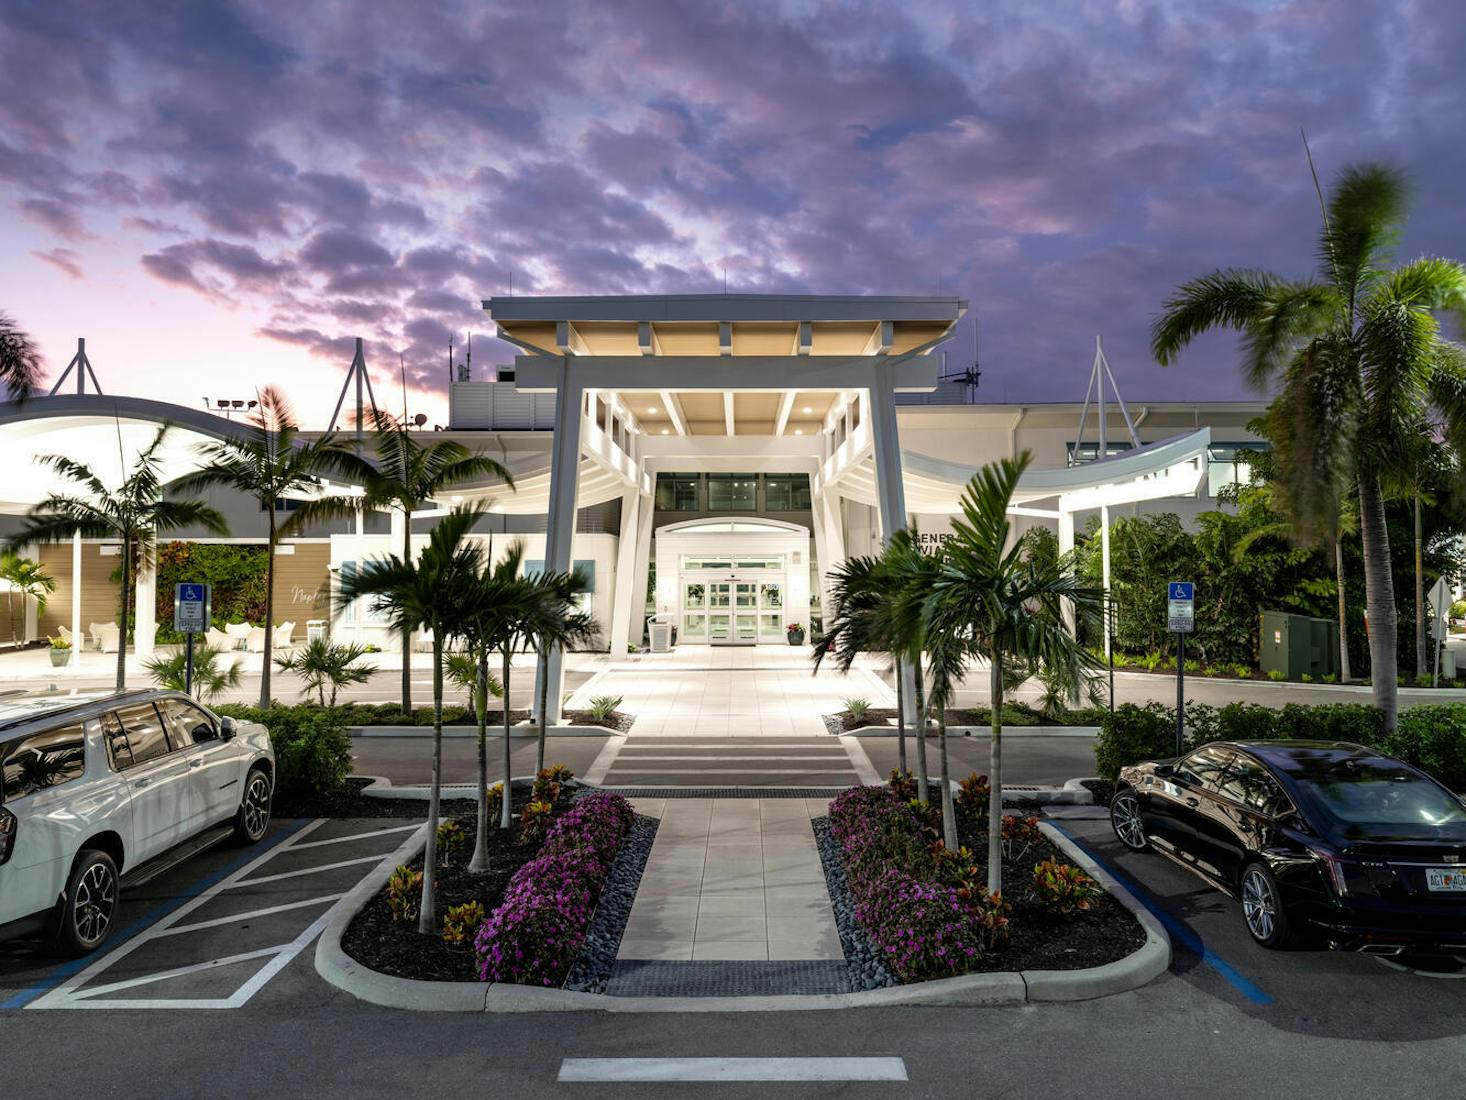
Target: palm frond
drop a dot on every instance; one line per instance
(1230, 298)
(20, 360)
(1367, 206)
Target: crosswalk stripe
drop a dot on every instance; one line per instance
(732, 1069)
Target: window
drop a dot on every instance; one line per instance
(1080, 453)
(786, 492)
(375, 615)
(732, 493)
(143, 733)
(1204, 767)
(187, 725)
(676, 492)
(42, 760)
(284, 504)
(1248, 782)
(1226, 465)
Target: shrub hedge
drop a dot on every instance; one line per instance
(312, 747)
(1432, 737)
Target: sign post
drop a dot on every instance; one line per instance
(192, 605)
(1440, 607)
(1180, 620)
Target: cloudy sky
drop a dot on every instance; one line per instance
(220, 195)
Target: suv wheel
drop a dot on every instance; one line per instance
(90, 905)
(253, 816)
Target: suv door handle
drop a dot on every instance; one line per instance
(142, 782)
(196, 762)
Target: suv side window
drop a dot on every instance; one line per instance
(146, 739)
(187, 724)
(42, 760)
(1204, 767)
(1249, 783)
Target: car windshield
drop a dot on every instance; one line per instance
(1363, 792)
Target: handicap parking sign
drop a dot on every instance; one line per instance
(191, 607)
(1180, 607)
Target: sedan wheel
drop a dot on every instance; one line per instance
(1126, 820)
(1262, 907)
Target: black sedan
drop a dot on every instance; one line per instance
(1316, 838)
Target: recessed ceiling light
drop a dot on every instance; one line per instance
(798, 431)
(664, 431)
(806, 410)
(651, 408)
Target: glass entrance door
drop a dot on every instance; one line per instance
(729, 611)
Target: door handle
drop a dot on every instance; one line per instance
(196, 762)
(141, 782)
(1193, 803)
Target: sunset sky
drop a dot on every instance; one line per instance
(220, 196)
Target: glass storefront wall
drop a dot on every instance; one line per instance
(732, 493)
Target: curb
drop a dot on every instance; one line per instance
(519, 730)
(981, 731)
(1149, 961)
(382, 787)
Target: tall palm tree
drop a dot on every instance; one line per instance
(408, 472)
(1009, 610)
(20, 362)
(25, 578)
(133, 513)
(429, 593)
(557, 623)
(270, 463)
(1360, 369)
(860, 622)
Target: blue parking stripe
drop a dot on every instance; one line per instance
(158, 912)
(1178, 930)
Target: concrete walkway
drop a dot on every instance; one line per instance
(732, 879)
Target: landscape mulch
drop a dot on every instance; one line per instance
(377, 940)
(1038, 938)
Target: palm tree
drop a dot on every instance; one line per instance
(26, 577)
(270, 463)
(134, 514)
(557, 623)
(469, 669)
(430, 592)
(20, 362)
(210, 678)
(861, 623)
(1360, 369)
(1009, 610)
(323, 665)
(409, 472)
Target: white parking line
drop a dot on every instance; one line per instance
(353, 836)
(302, 871)
(234, 917)
(732, 1069)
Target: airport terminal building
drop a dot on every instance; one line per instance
(705, 459)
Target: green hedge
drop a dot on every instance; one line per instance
(1432, 737)
(312, 748)
(236, 572)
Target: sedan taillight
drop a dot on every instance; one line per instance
(8, 826)
(1345, 876)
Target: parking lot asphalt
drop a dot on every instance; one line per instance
(1028, 759)
(409, 760)
(1229, 1020)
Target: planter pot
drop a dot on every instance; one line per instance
(60, 658)
(796, 637)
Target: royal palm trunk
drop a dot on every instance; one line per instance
(122, 612)
(544, 680)
(900, 719)
(1419, 598)
(427, 919)
(923, 776)
(995, 780)
(504, 813)
(949, 811)
(407, 630)
(1344, 675)
(269, 612)
(1379, 599)
(480, 861)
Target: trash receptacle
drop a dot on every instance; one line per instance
(660, 631)
(315, 630)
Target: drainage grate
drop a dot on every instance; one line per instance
(725, 792)
(716, 978)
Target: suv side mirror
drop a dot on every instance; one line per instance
(227, 729)
(1164, 771)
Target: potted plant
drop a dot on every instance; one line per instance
(795, 633)
(60, 651)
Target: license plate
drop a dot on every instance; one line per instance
(1446, 879)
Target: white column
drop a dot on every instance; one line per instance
(76, 638)
(625, 617)
(890, 490)
(829, 542)
(1105, 570)
(145, 604)
(560, 520)
(359, 553)
(1066, 544)
(641, 567)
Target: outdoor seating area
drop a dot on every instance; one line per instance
(248, 638)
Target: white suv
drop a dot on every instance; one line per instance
(102, 792)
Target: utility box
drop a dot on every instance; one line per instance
(661, 635)
(1296, 644)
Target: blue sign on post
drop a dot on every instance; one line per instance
(1181, 590)
(191, 608)
(1180, 607)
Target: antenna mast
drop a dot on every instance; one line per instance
(1096, 393)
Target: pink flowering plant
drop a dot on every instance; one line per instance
(921, 905)
(536, 933)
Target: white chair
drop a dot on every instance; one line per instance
(66, 635)
(282, 635)
(238, 633)
(105, 636)
(217, 640)
(254, 641)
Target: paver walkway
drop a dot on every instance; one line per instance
(736, 878)
(724, 761)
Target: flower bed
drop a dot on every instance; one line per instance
(926, 910)
(535, 935)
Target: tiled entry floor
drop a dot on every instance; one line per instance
(732, 879)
